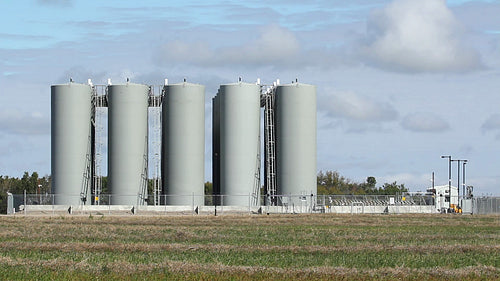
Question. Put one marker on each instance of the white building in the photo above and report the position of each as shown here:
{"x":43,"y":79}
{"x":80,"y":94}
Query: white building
{"x":442,"y":196}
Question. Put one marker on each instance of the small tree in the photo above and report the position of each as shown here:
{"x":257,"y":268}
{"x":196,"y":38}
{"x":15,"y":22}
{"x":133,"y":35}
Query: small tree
{"x":369,"y":186}
{"x":392,"y":188}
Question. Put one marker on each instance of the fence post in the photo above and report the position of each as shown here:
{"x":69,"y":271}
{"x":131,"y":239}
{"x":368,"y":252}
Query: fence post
{"x":25,"y":205}
{"x":164,"y":202}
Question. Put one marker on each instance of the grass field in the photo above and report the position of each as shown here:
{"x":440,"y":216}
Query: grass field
{"x":251,"y":247}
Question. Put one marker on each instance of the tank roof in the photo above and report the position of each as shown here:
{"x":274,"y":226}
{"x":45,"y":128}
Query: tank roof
{"x":185,"y":84}
{"x":296,"y":84}
{"x":129,"y":84}
{"x":71,"y":84}
{"x":240,"y":84}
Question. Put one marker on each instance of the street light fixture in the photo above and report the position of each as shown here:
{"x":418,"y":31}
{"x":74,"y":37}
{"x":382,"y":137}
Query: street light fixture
{"x":449,"y":177}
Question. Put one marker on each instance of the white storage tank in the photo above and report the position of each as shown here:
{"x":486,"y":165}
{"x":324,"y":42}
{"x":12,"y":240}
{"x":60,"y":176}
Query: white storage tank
{"x":183,"y":148}
{"x":295,"y":121}
{"x":71,"y":107}
{"x":127,"y":142}
{"x":239,"y":140}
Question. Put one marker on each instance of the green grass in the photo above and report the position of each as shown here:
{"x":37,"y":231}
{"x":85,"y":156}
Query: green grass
{"x":292,"y":247}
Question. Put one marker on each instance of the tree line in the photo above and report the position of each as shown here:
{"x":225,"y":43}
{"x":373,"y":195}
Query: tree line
{"x":331,"y":182}
{"x":32,"y":183}
{"x":328,"y":182}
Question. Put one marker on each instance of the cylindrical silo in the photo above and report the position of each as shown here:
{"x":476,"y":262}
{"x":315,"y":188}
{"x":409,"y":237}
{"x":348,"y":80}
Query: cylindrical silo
{"x":295,"y":121}
{"x":239,"y":115}
{"x":71,"y":107}
{"x":183,"y":149}
{"x":127,"y":143}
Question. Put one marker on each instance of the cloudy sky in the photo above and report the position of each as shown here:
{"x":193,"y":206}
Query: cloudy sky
{"x":400,"y":82}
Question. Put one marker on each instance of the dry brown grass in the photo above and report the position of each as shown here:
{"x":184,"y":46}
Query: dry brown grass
{"x":208,"y":247}
{"x":127,"y":270}
{"x":221,"y":248}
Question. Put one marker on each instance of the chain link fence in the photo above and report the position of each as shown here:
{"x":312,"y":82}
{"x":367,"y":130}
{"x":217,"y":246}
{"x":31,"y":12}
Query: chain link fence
{"x":486,"y":205}
{"x":404,"y":203}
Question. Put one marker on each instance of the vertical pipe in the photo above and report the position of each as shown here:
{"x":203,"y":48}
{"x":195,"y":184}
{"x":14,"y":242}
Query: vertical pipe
{"x":216,"y":150}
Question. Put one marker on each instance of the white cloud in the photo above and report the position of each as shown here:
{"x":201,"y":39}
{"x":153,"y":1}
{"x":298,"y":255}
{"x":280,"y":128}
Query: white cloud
{"x":418,"y":36}
{"x":356,"y":107}
{"x":355,"y":113}
{"x":80,"y":74}
{"x":424,"y":122}
{"x":188,"y":52}
{"x":492,"y":124}
{"x":274,"y":45}
{"x":60,"y":3}
{"x":23,"y":123}
{"x":485,"y":185}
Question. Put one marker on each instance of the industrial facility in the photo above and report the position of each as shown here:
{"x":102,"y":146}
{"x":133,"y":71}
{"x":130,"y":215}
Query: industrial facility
{"x":153,"y":137}
{"x":178,"y":112}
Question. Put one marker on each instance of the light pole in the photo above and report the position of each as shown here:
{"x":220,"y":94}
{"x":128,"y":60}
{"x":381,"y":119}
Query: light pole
{"x":458,"y":177}
{"x":463,"y":185}
{"x":40,"y":192}
{"x":449,"y":177}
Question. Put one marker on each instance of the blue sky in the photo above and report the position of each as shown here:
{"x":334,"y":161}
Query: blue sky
{"x":400,"y":82}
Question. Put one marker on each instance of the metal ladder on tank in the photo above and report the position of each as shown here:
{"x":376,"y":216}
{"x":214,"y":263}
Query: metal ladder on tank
{"x":86,"y":174}
{"x":270,"y":146}
{"x":256,"y":188}
{"x":88,"y":157}
{"x":142,"y":197}
{"x":143,"y":193}
{"x":100,"y":103}
{"x":155,"y":136}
